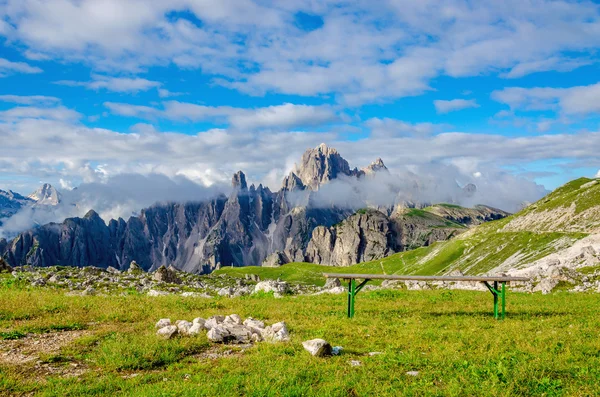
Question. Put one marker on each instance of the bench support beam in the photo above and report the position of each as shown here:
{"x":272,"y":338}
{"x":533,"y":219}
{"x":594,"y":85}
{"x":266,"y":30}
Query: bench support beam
{"x":498,"y":293}
{"x":353,"y":289}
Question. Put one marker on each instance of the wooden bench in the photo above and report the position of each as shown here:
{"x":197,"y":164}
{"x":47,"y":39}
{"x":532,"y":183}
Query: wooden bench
{"x":353,"y":289}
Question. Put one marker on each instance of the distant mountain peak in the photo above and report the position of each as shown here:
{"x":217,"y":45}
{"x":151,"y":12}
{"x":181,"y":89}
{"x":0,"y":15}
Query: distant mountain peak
{"x":239,"y":181}
{"x":375,"y":166}
{"x":46,"y":195}
{"x":321,"y":165}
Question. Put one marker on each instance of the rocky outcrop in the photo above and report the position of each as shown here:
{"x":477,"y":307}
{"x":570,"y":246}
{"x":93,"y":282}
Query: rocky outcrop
{"x":467,"y":216}
{"x":46,"y":195}
{"x":11,"y":203}
{"x":369,"y":234}
{"x":321,"y":165}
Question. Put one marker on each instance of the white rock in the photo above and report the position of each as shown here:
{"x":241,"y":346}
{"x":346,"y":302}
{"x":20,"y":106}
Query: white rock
{"x":276,"y":333}
{"x":355,"y":363}
{"x":217,"y":334}
{"x":239,"y":334}
{"x":279,"y":287}
{"x":227,"y":291}
{"x":153,"y":292}
{"x":412,"y":373}
{"x":195,"y":329}
{"x":167,"y":332}
{"x":213,"y":322}
{"x":546,"y":285}
{"x":163,"y":322}
{"x":183,"y":327}
{"x":199,"y":320}
{"x":250,"y":322}
{"x":317,"y":347}
{"x":233,"y":319}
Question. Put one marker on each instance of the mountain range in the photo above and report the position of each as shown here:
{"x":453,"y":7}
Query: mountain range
{"x":302,"y":221}
{"x":11,"y":202}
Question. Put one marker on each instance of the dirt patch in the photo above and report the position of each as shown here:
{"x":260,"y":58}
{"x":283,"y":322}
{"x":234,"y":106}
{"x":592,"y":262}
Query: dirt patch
{"x":28,"y":354}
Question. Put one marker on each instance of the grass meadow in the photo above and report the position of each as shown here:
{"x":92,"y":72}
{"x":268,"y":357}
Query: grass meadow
{"x":549,"y":345}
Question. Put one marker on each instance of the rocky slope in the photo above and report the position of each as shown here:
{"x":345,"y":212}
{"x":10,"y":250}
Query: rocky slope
{"x":251,"y":226}
{"x":11,"y":203}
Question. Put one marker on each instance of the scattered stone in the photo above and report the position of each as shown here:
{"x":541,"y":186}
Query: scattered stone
{"x":213,"y":322}
{"x":276,"y":333}
{"x":412,"y":373}
{"x":134,"y":268}
{"x":336,"y":350}
{"x":317,"y":347}
{"x":332,"y":283}
{"x":89,"y":291}
{"x":233,"y":319}
{"x":250,"y":322}
{"x":355,"y":363}
{"x":153,"y":292}
{"x":199,"y":320}
{"x":113,"y":270}
{"x":163,"y":322}
{"x":183,"y":326}
{"x":374,"y":353}
{"x":278,"y":287}
{"x":164,"y":275}
{"x":217,"y":334}
{"x":167,"y":332}
{"x":196,"y":328}
{"x":227,"y":291}
{"x":546,"y":285}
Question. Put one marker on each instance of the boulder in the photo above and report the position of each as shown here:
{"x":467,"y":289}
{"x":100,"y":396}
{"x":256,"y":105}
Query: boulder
{"x":164,"y":275}
{"x":250,"y":322}
{"x":276,"y":259}
{"x":134,"y":268}
{"x":167,"y":332}
{"x":183,"y":327}
{"x":233,"y":319}
{"x":332,"y":283}
{"x":196,"y":328}
{"x":218,"y":334}
{"x":163,"y":322}
{"x":113,"y":270}
{"x":546,"y":285}
{"x":238,"y":334}
{"x":213,"y":322}
{"x":199,"y":320}
{"x":317,"y":347}
{"x":278,"y":287}
{"x":276,"y":333}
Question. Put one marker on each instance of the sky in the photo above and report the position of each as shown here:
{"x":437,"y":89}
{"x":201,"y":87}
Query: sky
{"x":498,"y":90}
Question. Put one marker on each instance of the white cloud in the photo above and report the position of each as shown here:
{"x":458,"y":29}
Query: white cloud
{"x":59,"y":113}
{"x":114,"y":84}
{"x":453,"y":105}
{"x":286,"y":115}
{"x":570,"y":101}
{"x":30,"y":100}
{"x":364,"y":52}
{"x":9,"y":67}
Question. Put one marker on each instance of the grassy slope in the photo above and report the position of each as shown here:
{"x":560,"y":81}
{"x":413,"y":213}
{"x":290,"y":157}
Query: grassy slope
{"x":475,"y":252}
{"x":548,"y":345}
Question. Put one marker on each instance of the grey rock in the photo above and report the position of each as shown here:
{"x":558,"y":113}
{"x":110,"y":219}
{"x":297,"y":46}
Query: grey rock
{"x":167,"y":332}
{"x":163,"y":322}
{"x":217,"y":334}
{"x":113,"y":270}
{"x":317,"y":347}
{"x":134,"y":268}
{"x":276,"y":333}
{"x":280,"y":287}
{"x":233,"y":319}
{"x":276,"y":259}
{"x":332,"y":283}
{"x":196,"y":328}
{"x":412,"y":373}
{"x":546,"y":285}
{"x":183,"y":327}
{"x":4,"y":266}
{"x":213,"y":321}
{"x":153,"y":292}
{"x":162,"y":274}
{"x":250,"y":322}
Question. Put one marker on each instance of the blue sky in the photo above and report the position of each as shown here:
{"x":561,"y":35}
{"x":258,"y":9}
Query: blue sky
{"x":91,"y":89}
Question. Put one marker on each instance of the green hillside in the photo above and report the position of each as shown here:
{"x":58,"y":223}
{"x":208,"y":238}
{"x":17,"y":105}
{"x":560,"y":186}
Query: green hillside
{"x":551,"y":224}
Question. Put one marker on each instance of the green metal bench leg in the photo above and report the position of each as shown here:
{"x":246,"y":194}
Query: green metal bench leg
{"x":351,"y":294}
{"x":503,"y":300}
{"x":495,"y":300}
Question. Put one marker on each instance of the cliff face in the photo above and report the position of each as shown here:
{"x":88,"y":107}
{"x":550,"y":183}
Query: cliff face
{"x":243,"y":229}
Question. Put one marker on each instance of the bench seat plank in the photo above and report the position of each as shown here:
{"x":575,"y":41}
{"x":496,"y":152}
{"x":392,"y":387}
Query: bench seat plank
{"x":348,"y":276}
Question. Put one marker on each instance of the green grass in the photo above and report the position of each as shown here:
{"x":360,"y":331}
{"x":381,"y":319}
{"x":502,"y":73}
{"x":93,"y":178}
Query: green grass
{"x":548,"y":345}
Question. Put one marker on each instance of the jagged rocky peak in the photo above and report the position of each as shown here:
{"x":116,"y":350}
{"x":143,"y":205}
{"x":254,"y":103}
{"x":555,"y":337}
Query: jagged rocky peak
{"x":46,"y":195}
{"x":292,"y":182}
{"x":375,"y":166}
{"x":239,"y":181}
{"x":320,"y":165}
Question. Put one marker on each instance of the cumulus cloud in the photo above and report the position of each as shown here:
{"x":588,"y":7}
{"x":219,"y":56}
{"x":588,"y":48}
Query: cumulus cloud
{"x":361,"y":53}
{"x":453,"y":105}
{"x":9,"y":67}
{"x":287,"y":115}
{"x":114,"y":84}
{"x":30,"y":100}
{"x":579,"y":100}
